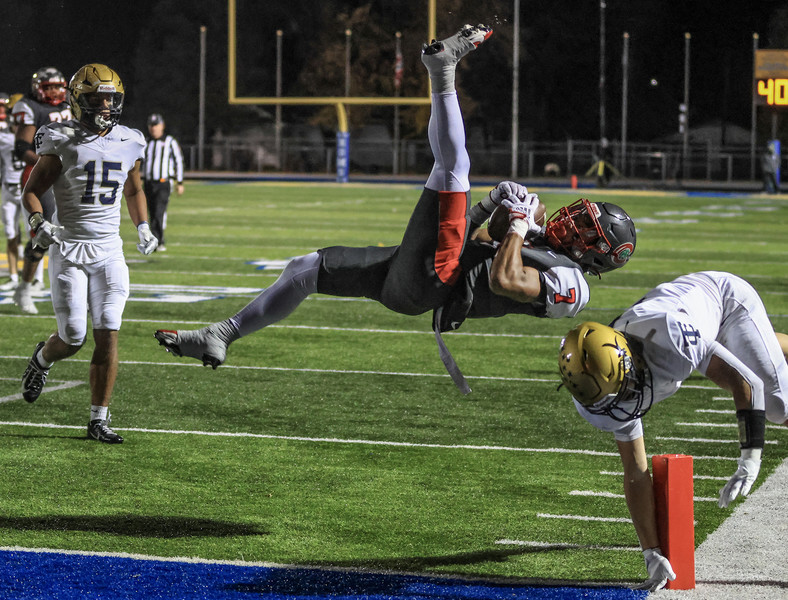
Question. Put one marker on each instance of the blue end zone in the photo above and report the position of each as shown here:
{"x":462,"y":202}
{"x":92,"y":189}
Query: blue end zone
{"x":57,"y":576}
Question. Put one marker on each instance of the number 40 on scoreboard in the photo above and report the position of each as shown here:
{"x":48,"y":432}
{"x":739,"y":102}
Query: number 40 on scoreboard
{"x":771,"y":78}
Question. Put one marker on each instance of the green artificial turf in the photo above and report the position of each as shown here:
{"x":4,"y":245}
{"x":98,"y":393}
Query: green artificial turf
{"x":448,"y":476}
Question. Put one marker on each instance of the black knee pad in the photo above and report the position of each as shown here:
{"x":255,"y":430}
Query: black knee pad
{"x":33,"y":254}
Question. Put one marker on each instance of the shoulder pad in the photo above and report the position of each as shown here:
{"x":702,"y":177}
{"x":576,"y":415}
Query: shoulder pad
{"x":50,"y":136}
{"x":544,"y":257}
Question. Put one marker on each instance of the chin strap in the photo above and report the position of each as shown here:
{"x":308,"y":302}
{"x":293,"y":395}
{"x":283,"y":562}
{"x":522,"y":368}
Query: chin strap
{"x":448,"y":360}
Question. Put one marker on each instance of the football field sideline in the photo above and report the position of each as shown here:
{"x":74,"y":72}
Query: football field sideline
{"x":723,"y":571}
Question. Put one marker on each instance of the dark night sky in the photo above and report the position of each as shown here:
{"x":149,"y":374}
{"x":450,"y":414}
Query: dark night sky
{"x":69,"y":33}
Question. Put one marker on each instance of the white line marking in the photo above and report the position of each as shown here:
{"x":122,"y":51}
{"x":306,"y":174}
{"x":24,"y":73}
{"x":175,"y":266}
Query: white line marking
{"x":307,"y":370}
{"x":621,"y":474}
{"x":48,"y":389}
{"x":725,"y":425}
{"x":715,"y":412}
{"x":367,"y":330}
{"x":562,"y":546}
{"x":345,"y":441}
{"x":237,"y":563}
{"x":698,"y":387}
{"x":705,"y":440}
{"x":593,"y":494}
{"x":328,"y":440}
{"x":584,"y":518}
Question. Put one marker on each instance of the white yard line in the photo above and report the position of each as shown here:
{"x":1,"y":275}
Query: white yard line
{"x":584,"y":518}
{"x":242,"y":434}
{"x":47,"y":389}
{"x":322,"y":440}
{"x":730,"y":425}
{"x":197,"y":324}
{"x":563,"y":546}
{"x":594,"y":494}
{"x":307,"y":370}
{"x":696,"y":476}
{"x":705,"y":440}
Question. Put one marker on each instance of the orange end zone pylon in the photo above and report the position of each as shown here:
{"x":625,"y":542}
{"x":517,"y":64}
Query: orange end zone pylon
{"x":673,"y":495}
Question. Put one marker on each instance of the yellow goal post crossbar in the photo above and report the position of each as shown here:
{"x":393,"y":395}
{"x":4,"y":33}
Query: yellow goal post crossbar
{"x":338,"y":101}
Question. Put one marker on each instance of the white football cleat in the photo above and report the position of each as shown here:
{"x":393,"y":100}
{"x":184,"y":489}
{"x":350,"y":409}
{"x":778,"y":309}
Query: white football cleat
{"x":9,"y":286}
{"x":24,"y":300}
{"x":453,"y":48}
{"x":203,"y":344}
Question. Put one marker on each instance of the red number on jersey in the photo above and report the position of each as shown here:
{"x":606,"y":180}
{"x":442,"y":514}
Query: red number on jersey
{"x":570,"y":299}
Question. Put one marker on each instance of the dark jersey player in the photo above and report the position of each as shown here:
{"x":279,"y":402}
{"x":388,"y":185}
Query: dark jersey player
{"x":438,"y":267}
{"x":46,"y":103}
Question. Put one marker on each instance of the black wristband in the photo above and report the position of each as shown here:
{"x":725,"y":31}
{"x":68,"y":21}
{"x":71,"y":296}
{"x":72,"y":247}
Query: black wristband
{"x":20,"y":147}
{"x":752,"y":428}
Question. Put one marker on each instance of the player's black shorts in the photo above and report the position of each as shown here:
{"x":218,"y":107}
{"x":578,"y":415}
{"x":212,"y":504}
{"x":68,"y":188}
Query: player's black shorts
{"x":415,"y":276}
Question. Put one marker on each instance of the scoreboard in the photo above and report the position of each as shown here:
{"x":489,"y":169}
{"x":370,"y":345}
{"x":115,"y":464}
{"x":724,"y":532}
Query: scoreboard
{"x":770,"y":86}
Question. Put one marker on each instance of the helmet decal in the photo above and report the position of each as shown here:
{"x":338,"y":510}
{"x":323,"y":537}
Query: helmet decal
{"x":621,"y":255}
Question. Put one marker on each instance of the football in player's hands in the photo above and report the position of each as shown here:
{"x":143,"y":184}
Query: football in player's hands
{"x":499,"y":221}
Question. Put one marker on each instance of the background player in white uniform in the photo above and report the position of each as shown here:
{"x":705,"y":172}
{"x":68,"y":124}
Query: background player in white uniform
{"x":46,"y":103}
{"x":711,"y":321}
{"x":11,"y":198}
{"x":439,"y":265}
{"x":89,"y":161}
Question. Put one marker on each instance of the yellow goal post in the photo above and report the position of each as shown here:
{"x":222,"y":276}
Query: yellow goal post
{"x":339,"y":102}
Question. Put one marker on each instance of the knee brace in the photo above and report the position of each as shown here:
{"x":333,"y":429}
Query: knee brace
{"x":33,"y":254}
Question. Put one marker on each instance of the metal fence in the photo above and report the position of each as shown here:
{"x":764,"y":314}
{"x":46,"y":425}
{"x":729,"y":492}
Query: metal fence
{"x":655,"y":161}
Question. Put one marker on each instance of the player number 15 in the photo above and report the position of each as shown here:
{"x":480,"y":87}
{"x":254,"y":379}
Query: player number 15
{"x":106,"y":182}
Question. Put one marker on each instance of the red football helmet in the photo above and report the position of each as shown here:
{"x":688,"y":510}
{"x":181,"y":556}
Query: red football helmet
{"x":599,"y":236}
{"x":49,"y":86}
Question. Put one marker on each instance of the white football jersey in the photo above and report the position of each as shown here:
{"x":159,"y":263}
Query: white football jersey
{"x":90,"y":186}
{"x":567,"y":292}
{"x":10,"y":168}
{"x":679,"y":321}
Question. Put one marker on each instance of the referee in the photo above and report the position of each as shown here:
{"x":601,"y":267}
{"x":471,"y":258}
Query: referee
{"x":163,"y":162}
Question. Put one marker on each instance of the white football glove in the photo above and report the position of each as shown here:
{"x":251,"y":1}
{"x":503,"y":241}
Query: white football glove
{"x":46,"y":235}
{"x":148,"y":242}
{"x":521,"y":215}
{"x":502,"y":191}
{"x":659,"y":570}
{"x":743,"y":478}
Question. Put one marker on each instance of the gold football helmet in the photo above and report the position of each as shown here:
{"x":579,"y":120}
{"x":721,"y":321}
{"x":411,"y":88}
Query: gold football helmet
{"x":95,"y":95}
{"x":599,"y":368}
{"x":14,"y":99}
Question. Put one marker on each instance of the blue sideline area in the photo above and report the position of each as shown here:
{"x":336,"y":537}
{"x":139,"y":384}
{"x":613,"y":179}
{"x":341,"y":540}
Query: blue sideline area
{"x":57,"y":576}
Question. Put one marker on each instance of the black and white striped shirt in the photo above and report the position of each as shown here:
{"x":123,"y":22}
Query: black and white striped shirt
{"x":163,"y":160}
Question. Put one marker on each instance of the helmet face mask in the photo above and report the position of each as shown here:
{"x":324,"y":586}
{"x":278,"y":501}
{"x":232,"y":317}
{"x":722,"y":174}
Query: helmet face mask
{"x":599,"y":236}
{"x":633,"y":400}
{"x":96,"y":95}
{"x":600,"y":369}
{"x":49,"y":86}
